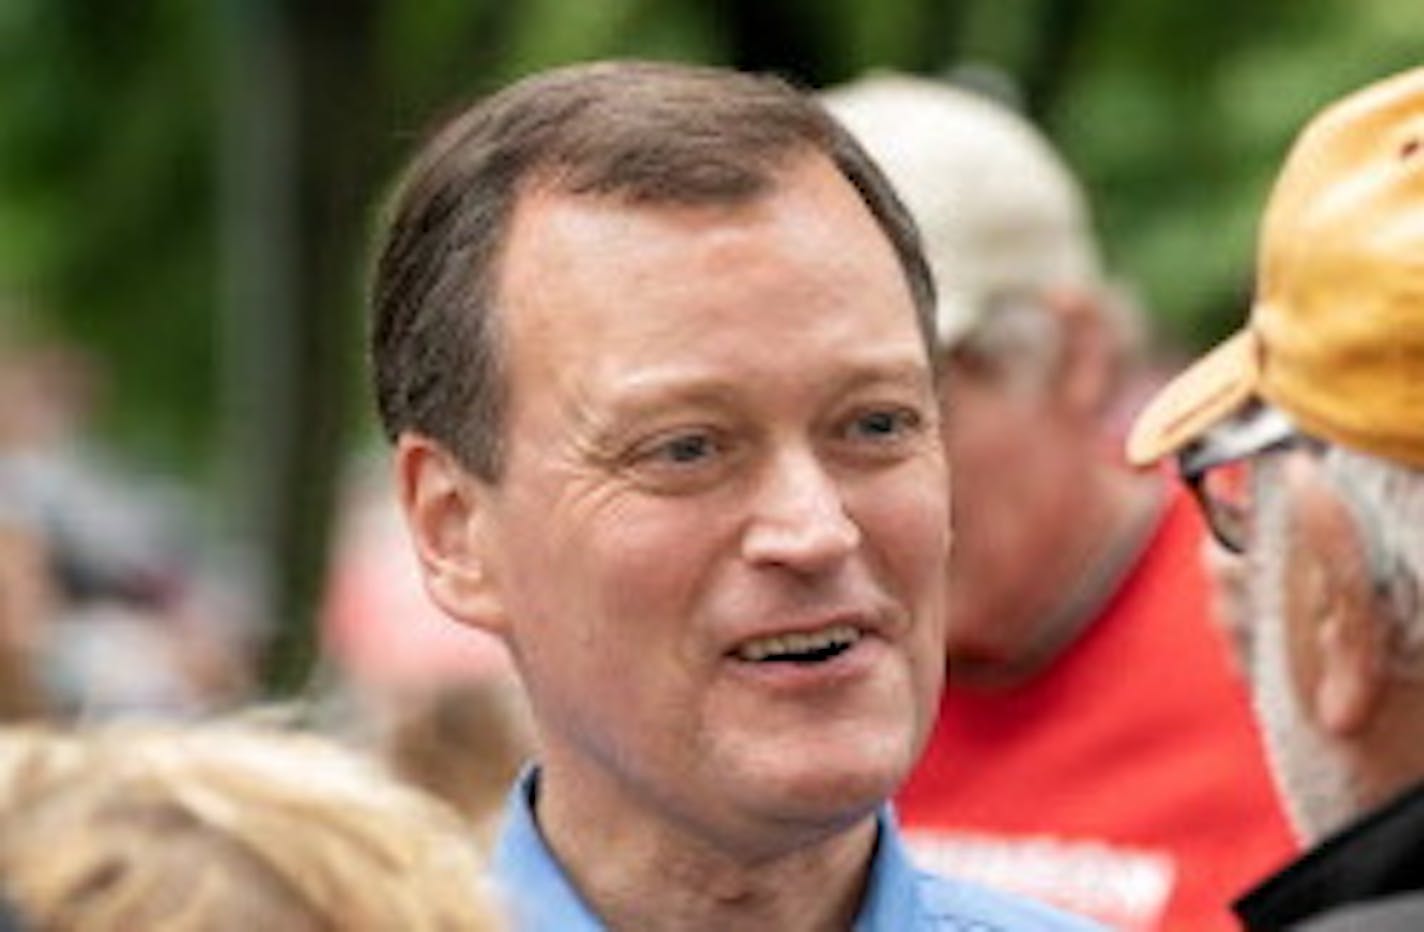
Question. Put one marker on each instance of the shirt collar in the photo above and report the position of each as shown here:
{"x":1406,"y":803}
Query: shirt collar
{"x":537,"y":893}
{"x":1376,"y":856}
{"x":891,"y":899}
{"x":540,"y":896}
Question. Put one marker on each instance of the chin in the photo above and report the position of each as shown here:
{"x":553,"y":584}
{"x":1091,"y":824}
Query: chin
{"x":846,"y":780}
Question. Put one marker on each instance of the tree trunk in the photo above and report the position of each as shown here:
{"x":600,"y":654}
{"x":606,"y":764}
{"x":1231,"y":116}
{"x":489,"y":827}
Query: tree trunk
{"x":297,"y":170}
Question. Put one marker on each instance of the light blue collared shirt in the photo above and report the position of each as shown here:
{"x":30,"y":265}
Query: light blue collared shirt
{"x":899,"y":897}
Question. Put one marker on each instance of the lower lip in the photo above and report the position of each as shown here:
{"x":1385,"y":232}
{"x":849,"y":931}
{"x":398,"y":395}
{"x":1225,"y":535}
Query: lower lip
{"x":853,"y":663}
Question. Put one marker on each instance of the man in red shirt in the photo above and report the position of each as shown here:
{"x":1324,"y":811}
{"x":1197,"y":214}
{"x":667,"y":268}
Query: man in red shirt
{"x":1095,"y":747}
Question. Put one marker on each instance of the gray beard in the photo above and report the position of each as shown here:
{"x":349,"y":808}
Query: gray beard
{"x":1311,"y":773}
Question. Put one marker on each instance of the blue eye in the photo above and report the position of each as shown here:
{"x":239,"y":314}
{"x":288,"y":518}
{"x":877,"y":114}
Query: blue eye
{"x":884,"y":424}
{"x":681,"y":461}
{"x":686,"y":449}
{"x":680,"y":449}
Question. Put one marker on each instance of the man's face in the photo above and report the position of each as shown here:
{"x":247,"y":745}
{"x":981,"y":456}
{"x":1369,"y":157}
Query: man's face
{"x":1015,"y":456}
{"x":720,"y":538}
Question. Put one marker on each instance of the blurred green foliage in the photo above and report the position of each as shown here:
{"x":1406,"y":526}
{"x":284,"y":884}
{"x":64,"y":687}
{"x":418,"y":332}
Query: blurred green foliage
{"x":107,"y":201}
{"x":1179,"y":116}
{"x":111,"y":120}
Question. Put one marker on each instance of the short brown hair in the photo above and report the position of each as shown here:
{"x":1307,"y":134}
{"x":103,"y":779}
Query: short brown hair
{"x":641,"y":132}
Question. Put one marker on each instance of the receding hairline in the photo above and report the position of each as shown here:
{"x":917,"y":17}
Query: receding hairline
{"x":643,"y":133}
{"x":548,"y":194}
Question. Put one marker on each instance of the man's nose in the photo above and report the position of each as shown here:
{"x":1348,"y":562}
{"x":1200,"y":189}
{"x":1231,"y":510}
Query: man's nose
{"x":798,"y":517}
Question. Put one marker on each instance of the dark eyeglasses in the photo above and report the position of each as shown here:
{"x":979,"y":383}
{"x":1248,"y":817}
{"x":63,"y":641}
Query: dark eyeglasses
{"x":1217,"y":469}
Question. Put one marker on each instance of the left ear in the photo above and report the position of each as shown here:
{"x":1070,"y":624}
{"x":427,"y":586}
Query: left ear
{"x":1086,"y":374}
{"x":1338,"y":608}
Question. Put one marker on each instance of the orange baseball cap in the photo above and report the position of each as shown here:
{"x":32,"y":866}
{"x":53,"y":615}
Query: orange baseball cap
{"x":1335,"y":337}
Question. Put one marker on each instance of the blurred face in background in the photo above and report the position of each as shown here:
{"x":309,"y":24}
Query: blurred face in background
{"x":718,"y":547}
{"x":1021,"y":451}
{"x":1006,"y":499}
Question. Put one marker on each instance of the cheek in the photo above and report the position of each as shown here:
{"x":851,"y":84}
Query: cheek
{"x":986,"y":450}
{"x":616,"y":590}
{"x":651,"y":557}
{"x":988,"y":492}
{"x":971,"y":444}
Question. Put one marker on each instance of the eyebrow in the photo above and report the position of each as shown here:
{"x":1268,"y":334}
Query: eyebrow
{"x":646,"y":395}
{"x":915,"y":373}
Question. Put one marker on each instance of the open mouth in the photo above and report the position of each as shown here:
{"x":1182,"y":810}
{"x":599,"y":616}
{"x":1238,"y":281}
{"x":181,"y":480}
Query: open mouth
{"x":809,"y":647}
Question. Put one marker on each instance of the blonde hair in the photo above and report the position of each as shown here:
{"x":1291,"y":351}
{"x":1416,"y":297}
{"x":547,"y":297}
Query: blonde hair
{"x":31,"y":758}
{"x":225,"y":827}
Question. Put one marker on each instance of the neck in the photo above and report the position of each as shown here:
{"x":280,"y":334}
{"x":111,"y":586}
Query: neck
{"x":638,"y":869}
{"x":1110,"y":520}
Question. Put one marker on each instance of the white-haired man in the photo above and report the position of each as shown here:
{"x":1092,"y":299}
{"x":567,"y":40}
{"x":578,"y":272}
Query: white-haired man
{"x":1303,"y":437}
{"x":1128,"y":778}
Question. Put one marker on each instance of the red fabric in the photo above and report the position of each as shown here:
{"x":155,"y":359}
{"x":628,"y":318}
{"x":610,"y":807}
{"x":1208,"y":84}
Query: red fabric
{"x":1136,"y":749}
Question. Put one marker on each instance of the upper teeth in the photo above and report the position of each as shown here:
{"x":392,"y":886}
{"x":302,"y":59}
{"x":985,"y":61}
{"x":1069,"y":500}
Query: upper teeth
{"x":762,"y":648}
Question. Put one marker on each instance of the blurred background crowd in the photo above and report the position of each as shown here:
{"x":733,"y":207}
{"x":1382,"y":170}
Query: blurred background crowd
{"x":195,"y":515}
